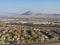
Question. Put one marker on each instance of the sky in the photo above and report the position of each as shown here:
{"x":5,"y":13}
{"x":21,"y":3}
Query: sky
{"x":20,"y":6}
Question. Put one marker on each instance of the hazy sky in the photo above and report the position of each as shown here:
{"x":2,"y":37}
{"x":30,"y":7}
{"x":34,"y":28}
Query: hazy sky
{"x":19,"y":6}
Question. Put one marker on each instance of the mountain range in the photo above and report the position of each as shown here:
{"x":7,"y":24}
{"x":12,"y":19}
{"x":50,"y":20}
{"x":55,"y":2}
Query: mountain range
{"x":32,"y":14}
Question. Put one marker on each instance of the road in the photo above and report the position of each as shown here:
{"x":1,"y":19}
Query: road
{"x":38,"y":44}
{"x":50,"y":43}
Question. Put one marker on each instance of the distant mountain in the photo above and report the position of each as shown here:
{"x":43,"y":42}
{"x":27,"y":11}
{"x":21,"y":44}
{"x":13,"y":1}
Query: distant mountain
{"x":32,"y":14}
{"x":56,"y":14}
{"x":27,"y":13}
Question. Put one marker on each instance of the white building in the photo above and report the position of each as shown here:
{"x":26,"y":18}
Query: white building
{"x":42,"y":22}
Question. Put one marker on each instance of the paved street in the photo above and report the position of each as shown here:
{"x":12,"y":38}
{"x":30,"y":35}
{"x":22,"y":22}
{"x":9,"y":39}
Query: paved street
{"x":38,"y":44}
